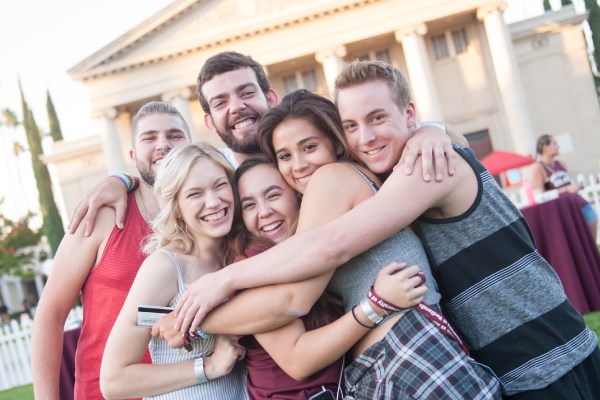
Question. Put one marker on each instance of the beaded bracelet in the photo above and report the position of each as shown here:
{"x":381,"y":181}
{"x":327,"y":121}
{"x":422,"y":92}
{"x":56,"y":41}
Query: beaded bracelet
{"x":130,"y":182}
{"x":123,"y":178}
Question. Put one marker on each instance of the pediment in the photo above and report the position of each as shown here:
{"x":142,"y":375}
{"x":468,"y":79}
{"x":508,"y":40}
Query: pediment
{"x":187,"y":26}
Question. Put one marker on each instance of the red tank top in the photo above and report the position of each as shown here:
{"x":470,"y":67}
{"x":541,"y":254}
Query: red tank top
{"x":103,"y":295}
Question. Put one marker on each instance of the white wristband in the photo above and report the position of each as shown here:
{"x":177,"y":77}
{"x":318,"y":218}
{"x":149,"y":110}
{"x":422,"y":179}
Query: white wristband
{"x":436,"y":124}
{"x":199,"y":370}
{"x":367,"y":308}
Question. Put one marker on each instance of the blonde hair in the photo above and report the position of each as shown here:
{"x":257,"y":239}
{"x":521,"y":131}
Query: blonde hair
{"x":358,"y":72}
{"x":168,"y":226}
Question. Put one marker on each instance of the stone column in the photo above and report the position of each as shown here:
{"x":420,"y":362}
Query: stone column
{"x":181,"y":100}
{"x":419,"y":71}
{"x":111,"y":144}
{"x":332,"y":61}
{"x":508,"y":78}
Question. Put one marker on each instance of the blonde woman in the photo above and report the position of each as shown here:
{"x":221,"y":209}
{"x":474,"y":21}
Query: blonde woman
{"x":197,"y":207}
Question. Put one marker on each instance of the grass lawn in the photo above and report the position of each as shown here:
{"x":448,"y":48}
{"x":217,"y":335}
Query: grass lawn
{"x":18,"y":393}
{"x":26,"y":392}
{"x":593,"y":321}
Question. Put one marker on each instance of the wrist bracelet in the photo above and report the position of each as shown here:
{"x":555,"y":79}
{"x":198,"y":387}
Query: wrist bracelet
{"x":385,"y":305}
{"x":367,"y":308}
{"x":199,"y":370}
{"x":360,"y":323}
{"x":435,"y":124}
{"x":123,"y":178}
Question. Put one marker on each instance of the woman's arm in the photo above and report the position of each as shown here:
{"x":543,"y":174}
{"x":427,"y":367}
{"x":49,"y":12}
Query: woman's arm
{"x":538,"y":177}
{"x":72,"y":263}
{"x":318,"y":250}
{"x":301,"y":354}
{"x":122,"y":375}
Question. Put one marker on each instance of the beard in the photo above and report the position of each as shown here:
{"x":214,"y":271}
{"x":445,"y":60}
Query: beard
{"x":147,"y":175}
{"x":246,"y":145}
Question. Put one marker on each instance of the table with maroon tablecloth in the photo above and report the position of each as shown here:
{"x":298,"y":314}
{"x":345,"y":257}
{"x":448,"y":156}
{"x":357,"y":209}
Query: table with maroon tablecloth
{"x":67,"y":366}
{"x":563,"y":238}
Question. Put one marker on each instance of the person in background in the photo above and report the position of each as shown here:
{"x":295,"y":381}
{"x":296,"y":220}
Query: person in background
{"x":550,"y":174}
{"x":4,"y":315}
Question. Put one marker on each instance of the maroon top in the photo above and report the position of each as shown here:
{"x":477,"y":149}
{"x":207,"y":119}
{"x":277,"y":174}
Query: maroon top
{"x":557,"y":176}
{"x":266,"y":380}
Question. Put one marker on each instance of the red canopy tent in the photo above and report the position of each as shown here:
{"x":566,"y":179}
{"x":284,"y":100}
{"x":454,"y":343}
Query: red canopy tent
{"x":499,"y":161}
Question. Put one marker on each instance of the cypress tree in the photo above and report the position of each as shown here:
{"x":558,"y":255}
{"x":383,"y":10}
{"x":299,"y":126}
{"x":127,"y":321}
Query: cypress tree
{"x":547,"y":6}
{"x":55,"y":131}
{"x":52,"y":224}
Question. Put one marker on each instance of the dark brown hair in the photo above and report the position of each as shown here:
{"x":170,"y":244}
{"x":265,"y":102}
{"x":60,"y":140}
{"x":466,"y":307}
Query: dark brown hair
{"x":319,"y":111}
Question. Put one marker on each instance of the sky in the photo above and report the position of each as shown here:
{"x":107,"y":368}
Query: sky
{"x":42,"y":39}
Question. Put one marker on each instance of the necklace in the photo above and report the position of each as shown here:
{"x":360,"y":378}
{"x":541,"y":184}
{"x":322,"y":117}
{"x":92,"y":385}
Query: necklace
{"x":143,"y":209}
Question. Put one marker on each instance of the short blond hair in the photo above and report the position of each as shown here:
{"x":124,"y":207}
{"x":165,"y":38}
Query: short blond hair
{"x":358,"y":72}
{"x":168,"y":226}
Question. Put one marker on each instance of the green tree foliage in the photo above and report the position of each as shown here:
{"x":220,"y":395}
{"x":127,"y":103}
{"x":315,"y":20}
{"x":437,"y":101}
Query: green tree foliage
{"x":55,"y":131}
{"x":16,"y":240}
{"x":52,"y":226}
{"x":9,"y":118}
{"x":547,"y":6}
{"x":565,"y":2}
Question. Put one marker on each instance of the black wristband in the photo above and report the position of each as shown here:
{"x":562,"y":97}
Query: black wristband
{"x":360,"y":323}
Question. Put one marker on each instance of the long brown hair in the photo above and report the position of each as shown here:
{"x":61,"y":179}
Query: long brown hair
{"x":319,"y":111}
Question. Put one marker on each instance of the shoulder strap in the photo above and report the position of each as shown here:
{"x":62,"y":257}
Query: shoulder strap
{"x":173,"y":257}
{"x":373,"y":185}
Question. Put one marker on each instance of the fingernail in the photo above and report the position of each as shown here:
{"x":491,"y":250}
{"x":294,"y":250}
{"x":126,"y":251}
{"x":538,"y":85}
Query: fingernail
{"x":427,"y":178}
{"x":407,"y":170}
{"x":451,"y":171}
{"x":120,"y":225}
{"x":439,"y":177}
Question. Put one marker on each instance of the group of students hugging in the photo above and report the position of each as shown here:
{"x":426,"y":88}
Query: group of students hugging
{"x":322,"y":267}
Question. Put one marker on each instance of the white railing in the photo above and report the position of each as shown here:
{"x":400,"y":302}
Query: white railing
{"x":590,"y":192}
{"x":15,"y":350}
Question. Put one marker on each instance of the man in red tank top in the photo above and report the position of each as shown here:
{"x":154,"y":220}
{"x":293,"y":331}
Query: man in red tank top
{"x":102,"y":265}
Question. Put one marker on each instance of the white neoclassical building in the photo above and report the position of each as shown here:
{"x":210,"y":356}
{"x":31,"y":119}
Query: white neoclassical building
{"x":500,"y":85}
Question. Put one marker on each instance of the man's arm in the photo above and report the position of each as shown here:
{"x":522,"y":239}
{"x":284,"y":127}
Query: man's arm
{"x":110,"y":192}
{"x":73,"y":261}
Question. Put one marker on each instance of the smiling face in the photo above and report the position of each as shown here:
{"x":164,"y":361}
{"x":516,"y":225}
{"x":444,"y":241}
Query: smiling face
{"x":374,"y":126}
{"x":205,"y":200}
{"x":300,"y":149}
{"x":236,"y":106}
{"x":269,"y":206}
{"x":155,"y":136}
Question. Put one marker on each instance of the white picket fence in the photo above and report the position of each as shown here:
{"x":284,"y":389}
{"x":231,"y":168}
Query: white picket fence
{"x":590,"y":192}
{"x":15,"y":349}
